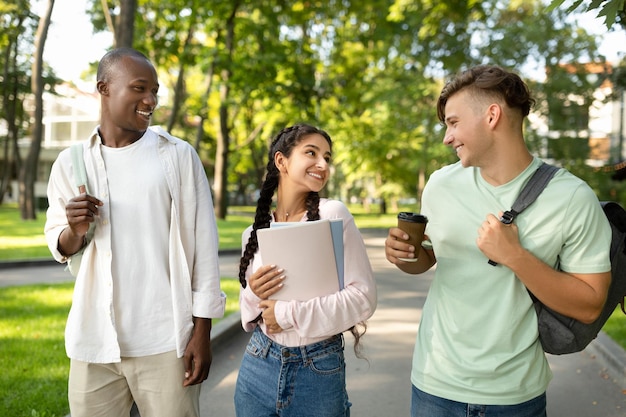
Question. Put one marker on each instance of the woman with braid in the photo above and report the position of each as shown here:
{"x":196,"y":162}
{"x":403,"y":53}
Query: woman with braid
{"x":294,"y":363}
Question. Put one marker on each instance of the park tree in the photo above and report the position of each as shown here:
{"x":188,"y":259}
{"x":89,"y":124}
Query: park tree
{"x":368,"y":72}
{"x":28,"y":171}
{"x":118,"y":16}
{"x":18,"y":27}
{"x":386,"y":70}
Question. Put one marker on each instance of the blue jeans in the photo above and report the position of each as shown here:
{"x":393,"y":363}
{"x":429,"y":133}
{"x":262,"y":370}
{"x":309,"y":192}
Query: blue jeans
{"x":426,"y":405}
{"x":279,"y":381}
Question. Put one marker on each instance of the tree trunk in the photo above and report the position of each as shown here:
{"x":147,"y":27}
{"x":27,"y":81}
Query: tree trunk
{"x":107,"y":17}
{"x":223,"y":140}
{"x":179,"y":90}
{"x":221,"y":159}
{"x":28,"y":173}
{"x":204,"y":113}
{"x":10,"y":100}
{"x":125,"y":28}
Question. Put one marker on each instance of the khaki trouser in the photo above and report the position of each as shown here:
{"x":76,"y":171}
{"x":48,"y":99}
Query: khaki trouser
{"x":154,"y":382}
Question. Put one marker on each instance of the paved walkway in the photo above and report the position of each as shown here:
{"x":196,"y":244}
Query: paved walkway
{"x":591,"y":383}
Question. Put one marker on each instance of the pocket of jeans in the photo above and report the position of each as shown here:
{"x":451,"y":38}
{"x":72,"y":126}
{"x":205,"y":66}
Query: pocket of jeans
{"x":256,"y":348}
{"x":330,"y":363}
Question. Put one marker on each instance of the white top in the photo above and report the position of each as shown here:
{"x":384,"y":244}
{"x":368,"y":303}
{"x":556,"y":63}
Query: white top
{"x":142,"y":298}
{"x":91,"y":333}
{"x":306,"y":322}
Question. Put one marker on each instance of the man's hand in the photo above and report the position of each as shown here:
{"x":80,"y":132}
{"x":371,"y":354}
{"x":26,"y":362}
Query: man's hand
{"x":198,"y":355}
{"x":498,"y":241}
{"x":396,"y":246}
{"x":80,"y":212}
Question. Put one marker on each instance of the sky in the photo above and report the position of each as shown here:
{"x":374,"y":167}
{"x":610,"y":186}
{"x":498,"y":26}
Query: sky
{"x":71,"y":44}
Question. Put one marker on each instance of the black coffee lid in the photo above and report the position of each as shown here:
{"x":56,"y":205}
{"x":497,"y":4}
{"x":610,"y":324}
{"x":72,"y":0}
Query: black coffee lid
{"x":412,"y":217}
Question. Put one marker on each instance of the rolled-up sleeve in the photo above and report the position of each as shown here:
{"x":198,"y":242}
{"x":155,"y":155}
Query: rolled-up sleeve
{"x":60,"y":190}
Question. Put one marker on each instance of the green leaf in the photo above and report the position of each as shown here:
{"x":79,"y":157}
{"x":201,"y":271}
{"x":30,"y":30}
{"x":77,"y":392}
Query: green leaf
{"x":610,"y":10}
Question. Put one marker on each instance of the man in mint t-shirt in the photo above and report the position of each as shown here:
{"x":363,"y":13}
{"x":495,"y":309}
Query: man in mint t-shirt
{"x":477,"y":349}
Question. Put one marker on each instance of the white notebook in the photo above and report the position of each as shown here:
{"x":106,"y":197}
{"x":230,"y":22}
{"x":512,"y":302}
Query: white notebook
{"x":306,"y":251}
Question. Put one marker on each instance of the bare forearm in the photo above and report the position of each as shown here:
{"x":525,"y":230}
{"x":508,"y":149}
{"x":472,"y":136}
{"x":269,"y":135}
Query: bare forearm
{"x":580,"y":296}
{"x":202,"y":327}
{"x":425,"y":261}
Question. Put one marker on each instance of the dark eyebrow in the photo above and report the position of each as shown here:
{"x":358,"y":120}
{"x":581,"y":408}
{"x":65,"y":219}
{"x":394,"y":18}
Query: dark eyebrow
{"x":317,"y":148}
{"x":144,"y":81}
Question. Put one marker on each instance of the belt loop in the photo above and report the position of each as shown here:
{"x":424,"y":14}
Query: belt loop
{"x":304,"y":354}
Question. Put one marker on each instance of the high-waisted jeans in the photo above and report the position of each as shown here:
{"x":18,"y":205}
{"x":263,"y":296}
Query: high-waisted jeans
{"x":280,"y":381}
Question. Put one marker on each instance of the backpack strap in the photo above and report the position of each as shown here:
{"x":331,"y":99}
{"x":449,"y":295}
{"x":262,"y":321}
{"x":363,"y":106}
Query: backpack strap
{"x":80,"y":172}
{"x":80,"y":178}
{"x":529,"y":194}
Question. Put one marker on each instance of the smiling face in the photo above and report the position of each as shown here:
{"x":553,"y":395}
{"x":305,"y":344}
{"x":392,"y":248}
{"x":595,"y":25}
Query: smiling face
{"x":467,"y":129}
{"x":307,"y":167}
{"x":129,"y":96}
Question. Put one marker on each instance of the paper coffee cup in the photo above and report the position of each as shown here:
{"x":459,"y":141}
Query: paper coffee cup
{"x":413,"y":224}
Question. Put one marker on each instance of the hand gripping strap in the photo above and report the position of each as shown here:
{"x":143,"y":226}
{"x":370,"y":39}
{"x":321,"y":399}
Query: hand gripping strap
{"x":529,"y":194}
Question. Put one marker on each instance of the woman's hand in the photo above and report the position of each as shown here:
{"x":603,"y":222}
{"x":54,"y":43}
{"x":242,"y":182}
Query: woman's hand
{"x":269,"y":318}
{"x":266,"y":281}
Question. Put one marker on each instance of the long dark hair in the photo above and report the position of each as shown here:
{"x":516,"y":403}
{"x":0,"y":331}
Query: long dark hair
{"x":284,"y":142}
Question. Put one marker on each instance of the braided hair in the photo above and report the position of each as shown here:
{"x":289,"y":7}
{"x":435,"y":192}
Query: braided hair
{"x":284,"y":142}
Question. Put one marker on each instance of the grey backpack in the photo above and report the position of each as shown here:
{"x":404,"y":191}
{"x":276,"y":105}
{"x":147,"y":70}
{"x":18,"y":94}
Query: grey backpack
{"x":560,"y":334}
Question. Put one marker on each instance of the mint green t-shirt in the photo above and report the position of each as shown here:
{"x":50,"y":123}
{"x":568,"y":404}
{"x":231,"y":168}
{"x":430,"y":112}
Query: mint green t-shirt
{"x":478,"y":339}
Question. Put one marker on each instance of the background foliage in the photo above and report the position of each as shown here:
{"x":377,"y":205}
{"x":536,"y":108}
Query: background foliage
{"x":236,"y":71}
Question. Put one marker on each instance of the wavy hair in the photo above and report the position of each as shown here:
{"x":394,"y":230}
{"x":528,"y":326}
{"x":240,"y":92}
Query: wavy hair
{"x":491,"y":81}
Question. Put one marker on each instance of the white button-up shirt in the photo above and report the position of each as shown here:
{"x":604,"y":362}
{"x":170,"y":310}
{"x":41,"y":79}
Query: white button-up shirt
{"x":90,"y":333}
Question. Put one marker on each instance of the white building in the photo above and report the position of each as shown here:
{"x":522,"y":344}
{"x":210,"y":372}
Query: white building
{"x":69,"y":116}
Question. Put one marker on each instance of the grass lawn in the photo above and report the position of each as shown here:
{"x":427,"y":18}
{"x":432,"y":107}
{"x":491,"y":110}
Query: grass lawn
{"x":32,"y":353}
{"x":21,"y":239}
{"x":616,"y":327}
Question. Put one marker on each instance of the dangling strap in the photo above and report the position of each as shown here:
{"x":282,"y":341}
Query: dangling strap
{"x":80,"y":172}
{"x":80,"y":179}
